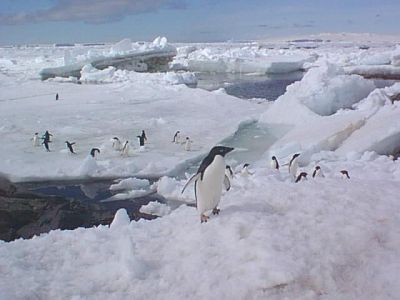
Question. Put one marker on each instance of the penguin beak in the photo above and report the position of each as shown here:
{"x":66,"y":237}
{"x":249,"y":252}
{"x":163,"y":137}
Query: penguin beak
{"x":228,"y":149}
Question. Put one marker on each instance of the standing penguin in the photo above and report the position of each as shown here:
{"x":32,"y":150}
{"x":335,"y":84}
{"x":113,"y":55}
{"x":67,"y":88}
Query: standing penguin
{"x":317,"y":172}
{"x":116,"y":143}
{"x":302,"y":176}
{"x":245,"y":170}
{"x":93,"y":152}
{"x":345,"y":174}
{"x":47,"y":136}
{"x":141,"y":141}
{"x":35,"y":140}
{"x":293,"y":165}
{"x":125,"y":149}
{"x":56,"y":96}
{"x":46,"y":144}
{"x":143,"y":135}
{"x":177,"y":137}
{"x":188,"y":144}
{"x":274,"y":163}
{"x":208,"y":181}
{"x":69,"y":146}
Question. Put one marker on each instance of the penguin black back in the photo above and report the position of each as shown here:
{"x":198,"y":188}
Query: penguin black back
{"x":301,"y":176}
{"x":315,"y":171}
{"x":93,"y":151}
{"x":217,"y":150}
{"x":293,"y":158}
{"x":228,"y":167}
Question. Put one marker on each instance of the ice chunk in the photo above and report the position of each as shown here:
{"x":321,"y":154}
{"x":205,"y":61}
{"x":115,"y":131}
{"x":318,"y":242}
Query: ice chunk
{"x":130,"y":184}
{"x":121,"y":47}
{"x":156,"y":208}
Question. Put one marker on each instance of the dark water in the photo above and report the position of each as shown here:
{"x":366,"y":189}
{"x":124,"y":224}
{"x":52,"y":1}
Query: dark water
{"x":91,"y":191}
{"x":247,"y":86}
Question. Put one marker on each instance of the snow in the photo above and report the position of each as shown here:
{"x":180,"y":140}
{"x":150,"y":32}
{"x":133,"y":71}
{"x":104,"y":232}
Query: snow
{"x":323,"y":238}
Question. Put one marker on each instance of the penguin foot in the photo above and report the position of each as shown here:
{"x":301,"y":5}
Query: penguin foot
{"x":203,"y":218}
{"x":216,"y":211}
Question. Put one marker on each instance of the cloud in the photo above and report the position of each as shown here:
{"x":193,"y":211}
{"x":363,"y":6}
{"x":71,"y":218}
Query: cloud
{"x":90,"y":11}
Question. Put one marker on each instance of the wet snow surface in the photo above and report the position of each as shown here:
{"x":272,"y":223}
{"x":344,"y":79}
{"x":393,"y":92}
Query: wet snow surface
{"x":322,"y":238}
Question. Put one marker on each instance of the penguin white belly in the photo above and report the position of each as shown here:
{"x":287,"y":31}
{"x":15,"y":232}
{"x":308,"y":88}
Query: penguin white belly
{"x":209,"y":190}
{"x":293,"y":168}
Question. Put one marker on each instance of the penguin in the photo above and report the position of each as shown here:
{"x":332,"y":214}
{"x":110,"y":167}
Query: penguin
{"x":69,"y":146}
{"x":143,"y":135}
{"x":274,"y":163}
{"x":293,"y":165}
{"x":188,"y":144}
{"x":245,"y":170}
{"x":47,"y":136}
{"x":116,"y":143}
{"x":35,"y":140}
{"x":208,"y":181}
{"x":302,"y":176}
{"x":317,"y":172}
{"x":229,"y":172}
{"x":141,"y":140}
{"x":176,"y":137}
{"x":125,"y":149}
{"x":46,"y":144}
{"x":93,"y":152}
{"x":56,"y":96}
{"x":345,"y":174}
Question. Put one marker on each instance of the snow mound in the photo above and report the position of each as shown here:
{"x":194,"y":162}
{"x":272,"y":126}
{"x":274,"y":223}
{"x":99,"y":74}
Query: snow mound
{"x":121,"y":219}
{"x":169,"y":187}
{"x":89,"y":167}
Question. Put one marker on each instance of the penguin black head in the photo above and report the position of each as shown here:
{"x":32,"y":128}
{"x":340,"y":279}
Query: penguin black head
{"x":317,"y":168}
{"x":36,"y":133}
{"x":273,"y":158}
{"x":246,"y":165}
{"x":115,"y":138}
{"x":220,"y":150}
{"x":296,"y":155}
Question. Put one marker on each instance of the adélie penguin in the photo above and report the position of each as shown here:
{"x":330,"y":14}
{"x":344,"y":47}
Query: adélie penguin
{"x":208,"y":181}
{"x":69,"y":146}
{"x":93,"y":152}
{"x":293,"y":165}
{"x":274,"y":163}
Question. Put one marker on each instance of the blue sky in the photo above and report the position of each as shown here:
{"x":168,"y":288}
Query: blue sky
{"x":55,"y":21}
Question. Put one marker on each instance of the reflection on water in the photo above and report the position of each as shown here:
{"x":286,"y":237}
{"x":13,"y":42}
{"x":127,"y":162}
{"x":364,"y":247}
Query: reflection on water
{"x":248,"y":86}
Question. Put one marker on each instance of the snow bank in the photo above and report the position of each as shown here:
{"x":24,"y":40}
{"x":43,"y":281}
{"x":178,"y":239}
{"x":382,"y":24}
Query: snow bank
{"x":272,"y":240}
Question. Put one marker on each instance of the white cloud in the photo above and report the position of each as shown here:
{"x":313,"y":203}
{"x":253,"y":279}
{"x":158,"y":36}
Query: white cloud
{"x":90,"y":11}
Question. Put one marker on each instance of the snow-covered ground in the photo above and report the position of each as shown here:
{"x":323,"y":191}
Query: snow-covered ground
{"x":324,"y":238}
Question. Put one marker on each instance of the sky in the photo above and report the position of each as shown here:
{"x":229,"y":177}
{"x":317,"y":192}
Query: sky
{"x":69,"y":21}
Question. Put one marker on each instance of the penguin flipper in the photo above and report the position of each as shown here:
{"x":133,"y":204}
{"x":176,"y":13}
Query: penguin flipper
{"x":227,"y":183}
{"x":192,"y":179}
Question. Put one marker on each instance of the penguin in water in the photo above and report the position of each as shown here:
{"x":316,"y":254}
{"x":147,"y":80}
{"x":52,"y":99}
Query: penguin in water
{"x":293,"y":165}
{"x":317,"y":172}
{"x":274,"y":163}
{"x":69,"y":146}
{"x":116,"y":143}
{"x":208,"y":181}
{"x":35,"y":140}
{"x":345,"y":174}
{"x":188,"y":144}
{"x":93,"y":152}
{"x":125,"y":149}
{"x":302,"y":176}
{"x":229,"y":172}
{"x":177,"y":137}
